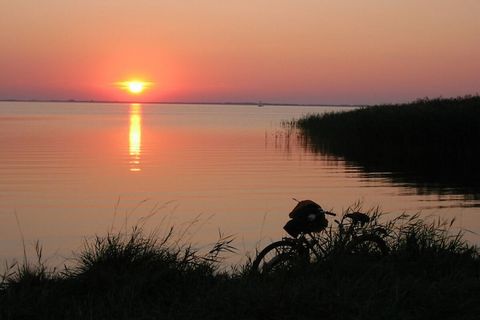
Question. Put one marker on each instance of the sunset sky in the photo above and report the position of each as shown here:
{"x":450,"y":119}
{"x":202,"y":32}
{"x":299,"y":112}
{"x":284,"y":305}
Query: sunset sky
{"x":305,"y":51}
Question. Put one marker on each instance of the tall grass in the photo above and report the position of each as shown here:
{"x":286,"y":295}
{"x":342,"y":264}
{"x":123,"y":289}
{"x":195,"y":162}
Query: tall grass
{"x":431,"y":272}
{"x":431,"y":141}
{"x":120,"y":275}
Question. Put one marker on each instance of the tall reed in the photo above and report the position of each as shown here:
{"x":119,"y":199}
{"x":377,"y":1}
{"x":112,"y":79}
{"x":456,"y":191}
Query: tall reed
{"x":429,"y":141}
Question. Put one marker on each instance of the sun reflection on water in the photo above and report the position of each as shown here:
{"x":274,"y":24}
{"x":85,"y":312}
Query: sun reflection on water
{"x":135,"y":136}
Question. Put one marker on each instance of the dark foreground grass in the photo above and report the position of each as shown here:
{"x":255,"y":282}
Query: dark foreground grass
{"x":431,"y":141}
{"x":430,"y":274}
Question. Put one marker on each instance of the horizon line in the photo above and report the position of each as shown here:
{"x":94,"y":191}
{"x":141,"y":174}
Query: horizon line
{"x":183,"y":102}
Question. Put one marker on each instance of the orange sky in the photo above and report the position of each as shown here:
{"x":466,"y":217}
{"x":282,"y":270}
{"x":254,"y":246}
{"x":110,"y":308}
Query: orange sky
{"x":304,"y":51}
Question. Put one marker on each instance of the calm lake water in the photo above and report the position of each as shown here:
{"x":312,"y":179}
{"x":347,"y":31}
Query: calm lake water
{"x":69,"y":171}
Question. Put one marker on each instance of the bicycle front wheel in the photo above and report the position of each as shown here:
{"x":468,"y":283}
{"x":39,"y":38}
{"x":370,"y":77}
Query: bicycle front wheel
{"x":279,"y":255}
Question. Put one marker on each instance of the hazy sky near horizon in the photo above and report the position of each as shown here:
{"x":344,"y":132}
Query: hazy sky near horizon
{"x":304,"y":51}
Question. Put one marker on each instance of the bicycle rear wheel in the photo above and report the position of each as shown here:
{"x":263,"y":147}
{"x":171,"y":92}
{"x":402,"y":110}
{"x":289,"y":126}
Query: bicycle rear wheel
{"x":368,"y":244}
{"x":279,"y":255}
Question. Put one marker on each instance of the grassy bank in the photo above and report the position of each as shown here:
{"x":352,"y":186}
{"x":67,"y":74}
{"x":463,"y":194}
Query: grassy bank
{"x":432,"y":142}
{"x":429,"y":274}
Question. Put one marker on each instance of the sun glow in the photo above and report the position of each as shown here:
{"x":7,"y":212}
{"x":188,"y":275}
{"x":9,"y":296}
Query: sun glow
{"x":134,"y":86}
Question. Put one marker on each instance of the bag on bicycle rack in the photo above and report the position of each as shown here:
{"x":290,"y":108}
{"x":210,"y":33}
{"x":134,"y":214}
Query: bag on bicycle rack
{"x":307,"y":216}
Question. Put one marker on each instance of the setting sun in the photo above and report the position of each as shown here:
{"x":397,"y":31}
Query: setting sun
{"x":134,"y":86}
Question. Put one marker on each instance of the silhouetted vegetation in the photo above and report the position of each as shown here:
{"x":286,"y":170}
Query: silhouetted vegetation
{"x":430,"y":273}
{"x":430,"y":143}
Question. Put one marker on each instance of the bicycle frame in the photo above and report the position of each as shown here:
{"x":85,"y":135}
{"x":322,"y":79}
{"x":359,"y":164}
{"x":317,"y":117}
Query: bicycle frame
{"x":315,"y":243}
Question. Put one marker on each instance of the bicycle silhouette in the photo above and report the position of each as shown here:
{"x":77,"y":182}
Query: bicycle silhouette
{"x":310,"y":239}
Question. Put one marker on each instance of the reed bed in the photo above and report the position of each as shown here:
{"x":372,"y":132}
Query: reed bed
{"x":431,"y":141}
{"x":431,"y":272}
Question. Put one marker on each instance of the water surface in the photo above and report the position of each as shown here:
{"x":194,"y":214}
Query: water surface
{"x":70,"y":170}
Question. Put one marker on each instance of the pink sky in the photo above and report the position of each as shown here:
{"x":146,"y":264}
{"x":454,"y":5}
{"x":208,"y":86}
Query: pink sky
{"x":304,"y":51}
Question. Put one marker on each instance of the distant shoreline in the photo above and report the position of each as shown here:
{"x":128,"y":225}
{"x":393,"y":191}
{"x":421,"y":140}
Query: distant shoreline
{"x":248,"y":103}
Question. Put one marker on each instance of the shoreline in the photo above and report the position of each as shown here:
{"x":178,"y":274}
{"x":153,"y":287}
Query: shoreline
{"x":429,"y":273}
